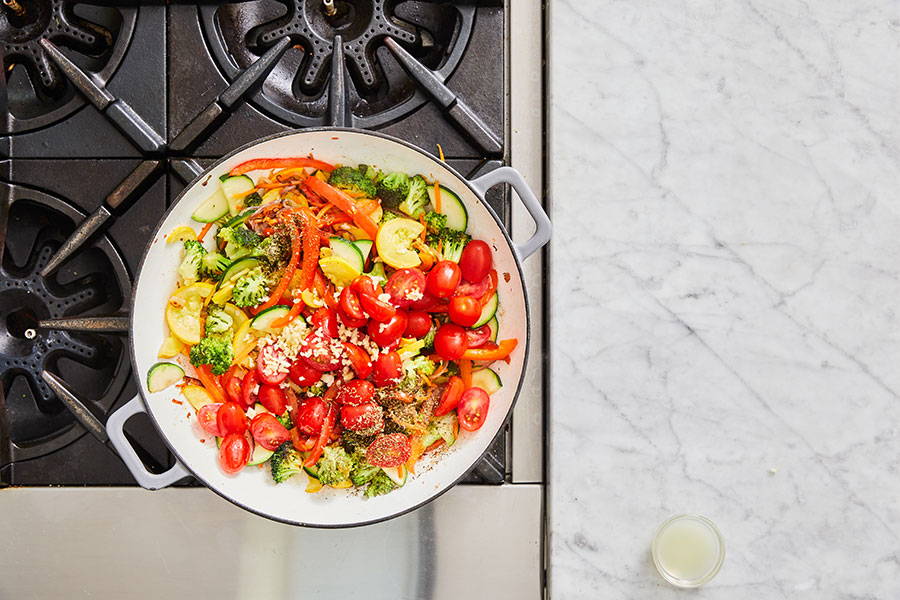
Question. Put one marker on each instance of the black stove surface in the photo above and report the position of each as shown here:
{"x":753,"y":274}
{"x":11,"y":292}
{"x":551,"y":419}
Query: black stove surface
{"x":161,"y":66}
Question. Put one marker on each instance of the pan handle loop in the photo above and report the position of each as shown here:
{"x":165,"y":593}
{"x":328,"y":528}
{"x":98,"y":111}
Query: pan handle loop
{"x":115,"y":428}
{"x":532,"y":204}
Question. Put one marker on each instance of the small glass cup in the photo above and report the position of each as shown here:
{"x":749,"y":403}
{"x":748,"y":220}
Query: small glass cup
{"x":688,"y":550}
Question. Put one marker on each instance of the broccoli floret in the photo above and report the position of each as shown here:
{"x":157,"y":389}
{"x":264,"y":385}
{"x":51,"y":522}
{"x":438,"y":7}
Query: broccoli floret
{"x":250,"y":288}
{"x":379,"y":485}
{"x":417,"y":198}
{"x":450,"y":241}
{"x":428,"y":340}
{"x":389,"y":215}
{"x":411,"y":381}
{"x":189,"y":269}
{"x":371,"y":172}
{"x":239,"y":240}
{"x":377,"y":274}
{"x":215,"y":351}
{"x":352,"y":180}
{"x":213,"y":264}
{"x":355,"y":442}
{"x":363,"y":473}
{"x":217,"y":320}
{"x":334,"y":466}
{"x":393,"y":189}
{"x":285,"y":463}
{"x":285,"y":419}
{"x":276,"y":249}
{"x":435,"y":221}
{"x":253,"y":199}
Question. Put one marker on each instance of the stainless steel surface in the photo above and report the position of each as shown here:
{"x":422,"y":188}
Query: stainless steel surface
{"x":85,"y":230}
{"x":526,"y":155}
{"x":96,"y":324}
{"x":473,"y":542}
{"x":75,"y":406}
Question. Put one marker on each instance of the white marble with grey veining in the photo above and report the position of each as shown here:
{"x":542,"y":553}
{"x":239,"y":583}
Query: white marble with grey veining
{"x":725,"y":180}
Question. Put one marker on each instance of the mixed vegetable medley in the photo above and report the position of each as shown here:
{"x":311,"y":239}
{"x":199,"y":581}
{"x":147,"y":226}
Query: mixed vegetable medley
{"x":335,"y":321}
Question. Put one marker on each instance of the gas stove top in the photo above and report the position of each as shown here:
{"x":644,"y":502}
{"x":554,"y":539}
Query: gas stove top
{"x":108,"y":111}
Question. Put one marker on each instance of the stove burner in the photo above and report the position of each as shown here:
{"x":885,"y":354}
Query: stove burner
{"x":38,"y":92}
{"x":33,"y":421}
{"x":379,"y":91}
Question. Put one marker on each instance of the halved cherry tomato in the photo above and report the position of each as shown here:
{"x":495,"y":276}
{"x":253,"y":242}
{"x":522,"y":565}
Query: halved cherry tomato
{"x":248,"y":389}
{"x":450,"y":396}
{"x":328,"y":423}
{"x":450,"y":341}
{"x":232,"y":383}
{"x":301,"y":442}
{"x":418,"y":324}
{"x":318,"y":353}
{"x":359,"y":360}
{"x":389,"y":450}
{"x":464,"y":310}
{"x":230,"y":418}
{"x":268,"y":432}
{"x":473,"y":408}
{"x":443,"y":278}
{"x":364,"y":416}
{"x":387,"y":335}
{"x":427,"y":302}
{"x":303,"y":375}
{"x":476,"y":290}
{"x":364,"y":285}
{"x":310,"y":416}
{"x":405,"y":286}
{"x":351,"y":323}
{"x":376,"y":309}
{"x":272,"y":397}
{"x":476,"y":261}
{"x":388,"y":369}
{"x":326,"y":319}
{"x":268,"y":365}
{"x":206,"y":416}
{"x":475,"y":338}
{"x":355,"y":392}
{"x":234,"y":453}
{"x":350,"y":304}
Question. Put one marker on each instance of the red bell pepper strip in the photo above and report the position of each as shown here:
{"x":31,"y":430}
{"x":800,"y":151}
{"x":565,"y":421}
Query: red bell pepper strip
{"x":209,"y":381}
{"x":502,"y":351}
{"x":285,"y":281}
{"x":344,"y":203}
{"x":310,"y":251}
{"x":324,"y":436}
{"x":301,"y":442}
{"x":257,"y":164}
{"x":465,"y":372}
{"x":296,"y":309}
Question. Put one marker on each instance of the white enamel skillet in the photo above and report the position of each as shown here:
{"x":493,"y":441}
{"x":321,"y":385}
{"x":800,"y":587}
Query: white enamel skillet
{"x":253,"y":488}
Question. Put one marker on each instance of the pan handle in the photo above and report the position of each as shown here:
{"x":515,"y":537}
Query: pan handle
{"x":532,"y":205}
{"x":115,"y":428}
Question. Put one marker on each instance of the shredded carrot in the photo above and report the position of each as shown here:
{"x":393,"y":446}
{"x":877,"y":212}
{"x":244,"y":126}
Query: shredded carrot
{"x":441,"y":368}
{"x":271,"y":185}
{"x":247,"y":193}
{"x":437,"y":195}
{"x":465,"y":372}
{"x":203,"y":231}
{"x":424,"y":229}
{"x":440,"y":153}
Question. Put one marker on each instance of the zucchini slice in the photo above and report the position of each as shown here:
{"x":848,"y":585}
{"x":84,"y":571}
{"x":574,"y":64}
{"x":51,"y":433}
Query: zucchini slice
{"x":263,"y":321}
{"x":489,"y":310}
{"x":312,"y":471}
{"x":494,"y":324}
{"x":452,"y":208}
{"x":348,"y":251}
{"x":259,"y":455}
{"x":236,"y":268}
{"x":396,"y":474}
{"x":162,"y":375}
{"x":486,"y":379}
{"x":238,"y":219}
{"x":442,"y":428}
{"x":364,"y":247}
{"x":236,"y":189}
{"x":197,"y":396}
{"x":213,"y":208}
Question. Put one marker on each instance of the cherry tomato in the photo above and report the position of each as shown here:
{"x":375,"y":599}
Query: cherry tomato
{"x":231,"y":418}
{"x":364,"y":416}
{"x":464,"y":310}
{"x":473,"y":408}
{"x":272,"y":397}
{"x":355,"y":392}
{"x":351,"y":323}
{"x":376,"y":309}
{"x":476,"y":290}
{"x":268,"y":365}
{"x":268,"y":432}
{"x":476,"y":338}
{"x":303,"y":375}
{"x":234,"y":453}
{"x":359,"y":360}
{"x":232,"y":384}
{"x":389,"y":450}
{"x":418,"y":324}
{"x":318,"y":353}
{"x":443,"y":278}
{"x":326,"y":319}
{"x":206,"y":416}
{"x":405,"y":287}
{"x":476,"y":261}
{"x":364,"y":285}
{"x":350,"y":304}
{"x":450,"y":341}
{"x":387,"y":335}
{"x":388,"y":369}
{"x":450,"y":396}
{"x":248,"y":389}
{"x":427,"y":302}
{"x":310,"y":416}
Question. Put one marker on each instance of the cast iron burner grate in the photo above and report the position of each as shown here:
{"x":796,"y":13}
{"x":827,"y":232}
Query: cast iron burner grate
{"x":32,"y":418}
{"x":379,"y":91}
{"x":38,"y":92}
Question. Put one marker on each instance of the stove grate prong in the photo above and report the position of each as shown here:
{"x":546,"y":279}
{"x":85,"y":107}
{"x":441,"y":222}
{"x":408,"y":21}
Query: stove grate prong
{"x":338,"y":96}
{"x":187,"y":169}
{"x":456,"y":109}
{"x":75,"y":406}
{"x":112,"y":324}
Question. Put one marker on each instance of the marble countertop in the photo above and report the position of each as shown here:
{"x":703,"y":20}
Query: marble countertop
{"x":725,"y":180}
